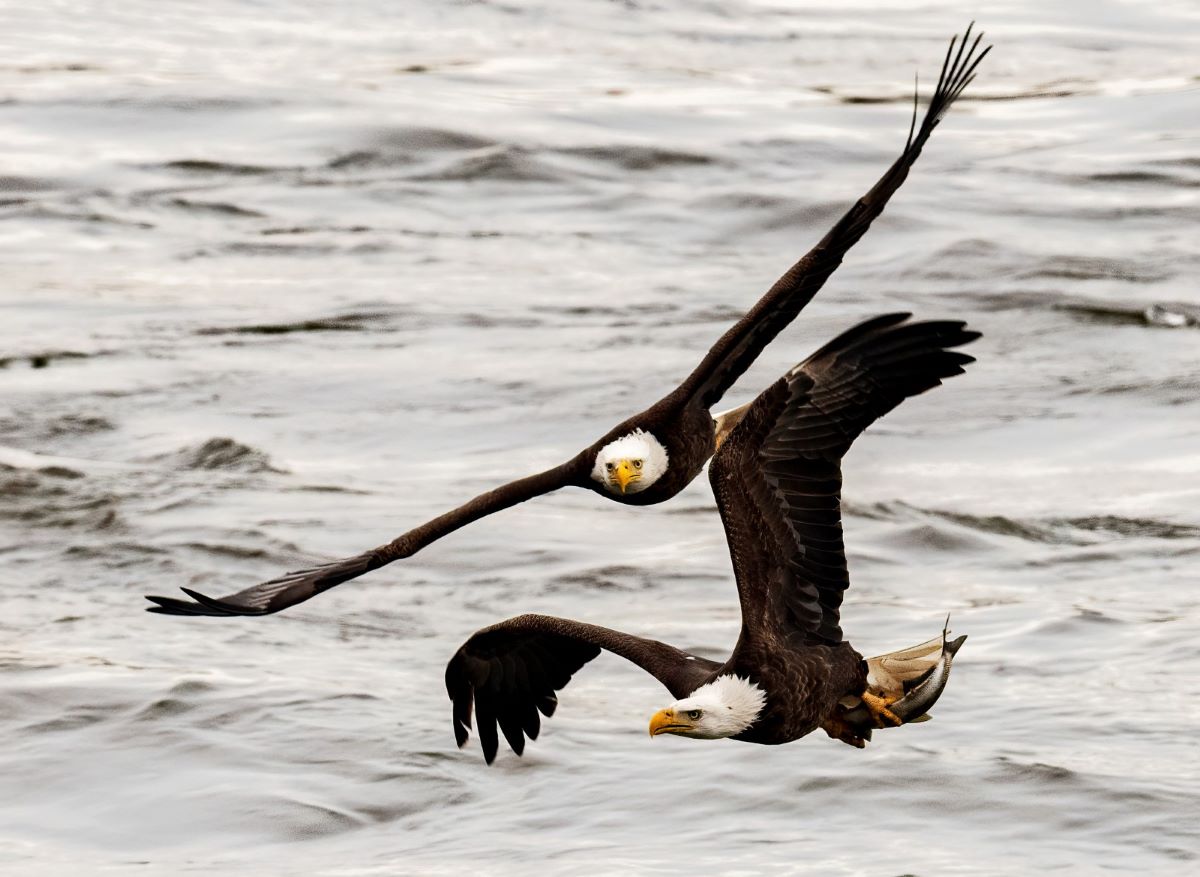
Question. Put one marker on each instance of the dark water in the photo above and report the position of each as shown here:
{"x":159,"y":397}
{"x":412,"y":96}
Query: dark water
{"x":280,"y":282}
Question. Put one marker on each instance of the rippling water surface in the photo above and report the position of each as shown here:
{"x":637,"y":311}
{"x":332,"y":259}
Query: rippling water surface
{"x":282,"y":280}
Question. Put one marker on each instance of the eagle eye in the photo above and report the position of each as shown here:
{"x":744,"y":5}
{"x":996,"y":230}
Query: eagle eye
{"x":694,"y":714}
{"x":608,"y":466}
{"x":637,"y":464}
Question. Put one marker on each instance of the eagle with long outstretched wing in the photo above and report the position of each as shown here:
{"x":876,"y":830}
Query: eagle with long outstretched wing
{"x":653,"y":455}
{"x":777,"y":479}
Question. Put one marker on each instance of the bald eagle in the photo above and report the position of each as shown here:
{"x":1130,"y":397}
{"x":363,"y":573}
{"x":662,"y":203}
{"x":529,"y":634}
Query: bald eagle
{"x":653,"y":455}
{"x":777,"y":480}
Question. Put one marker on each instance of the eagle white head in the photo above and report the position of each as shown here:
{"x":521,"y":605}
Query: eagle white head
{"x":631,"y":463}
{"x":724,"y":707}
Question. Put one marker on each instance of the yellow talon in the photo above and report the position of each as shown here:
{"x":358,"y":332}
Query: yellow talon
{"x":878,"y":708}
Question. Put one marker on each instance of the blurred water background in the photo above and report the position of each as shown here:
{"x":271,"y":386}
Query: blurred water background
{"x":283,"y":279}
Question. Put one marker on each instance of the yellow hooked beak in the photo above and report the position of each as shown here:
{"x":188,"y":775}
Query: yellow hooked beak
{"x":624,"y":473}
{"x":666,"y":722}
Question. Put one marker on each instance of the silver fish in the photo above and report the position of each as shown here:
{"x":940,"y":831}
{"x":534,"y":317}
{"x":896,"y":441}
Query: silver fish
{"x":910,"y":680}
{"x":923,"y":692}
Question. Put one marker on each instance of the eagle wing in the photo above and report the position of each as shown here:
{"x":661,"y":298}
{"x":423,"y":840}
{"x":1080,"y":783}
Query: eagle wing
{"x":509,"y":672}
{"x":778,"y":479}
{"x":737,"y":349}
{"x":300,"y":585}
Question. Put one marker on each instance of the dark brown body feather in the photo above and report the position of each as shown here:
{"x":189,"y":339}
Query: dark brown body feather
{"x":777,"y":479}
{"x":804,"y":684}
{"x":681,"y":421}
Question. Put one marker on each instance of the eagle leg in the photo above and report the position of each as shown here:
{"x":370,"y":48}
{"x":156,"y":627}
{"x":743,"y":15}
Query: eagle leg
{"x":839,"y":729}
{"x":878,"y":708}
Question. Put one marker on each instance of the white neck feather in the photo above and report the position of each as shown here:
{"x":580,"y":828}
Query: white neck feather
{"x":730,"y":705}
{"x":638,"y":445}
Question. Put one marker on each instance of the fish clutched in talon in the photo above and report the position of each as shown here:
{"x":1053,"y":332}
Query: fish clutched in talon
{"x":777,"y":478}
{"x":921,"y":691}
{"x":652,"y":456}
{"x":902,"y":688}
